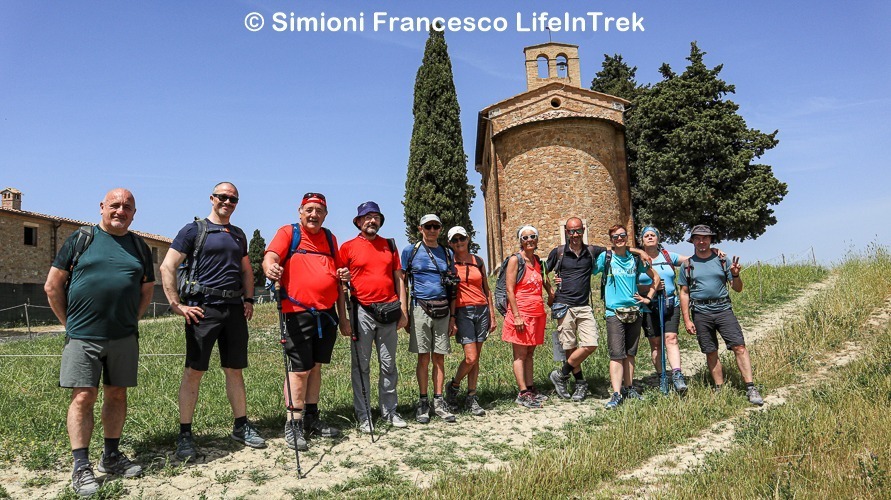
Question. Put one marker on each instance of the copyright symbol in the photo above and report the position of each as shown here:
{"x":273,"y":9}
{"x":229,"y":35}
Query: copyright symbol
{"x":253,"y":21}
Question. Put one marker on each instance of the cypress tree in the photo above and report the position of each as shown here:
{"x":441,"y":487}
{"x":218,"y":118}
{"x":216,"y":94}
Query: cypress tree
{"x":437,"y":166}
{"x":255,"y":253}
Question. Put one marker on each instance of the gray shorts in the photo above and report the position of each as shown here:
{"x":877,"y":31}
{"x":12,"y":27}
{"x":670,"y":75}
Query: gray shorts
{"x":622,"y":338}
{"x":723,"y":322}
{"x":428,"y":334}
{"x":473,"y":324}
{"x":84,"y":361}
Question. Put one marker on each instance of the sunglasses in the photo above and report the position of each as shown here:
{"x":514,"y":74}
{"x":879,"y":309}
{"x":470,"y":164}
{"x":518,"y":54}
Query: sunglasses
{"x":432,"y":227}
{"x":225,"y":198}
{"x":576,"y":231}
{"x":458,"y":238}
{"x":314,"y":195}
{"x":620,"y":236}
{"x":527,"y":237}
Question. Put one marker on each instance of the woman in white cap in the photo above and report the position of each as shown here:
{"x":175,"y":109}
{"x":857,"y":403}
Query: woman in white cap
{"x":524,"y":323}
{"x":472,"y":318}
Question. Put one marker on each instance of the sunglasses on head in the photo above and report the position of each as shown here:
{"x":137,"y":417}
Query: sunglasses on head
{"x":432,"y":227}
{"x":527,"y":237}
{"x":619,"y":236}
{"x":458,"y":238}
{"x":576,"y":231}
{"x":314,"y":195}
{"x":225,"y":198}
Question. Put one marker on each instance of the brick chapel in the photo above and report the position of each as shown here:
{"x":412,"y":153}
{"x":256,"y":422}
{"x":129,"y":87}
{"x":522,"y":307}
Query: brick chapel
{"x":555,"y":151}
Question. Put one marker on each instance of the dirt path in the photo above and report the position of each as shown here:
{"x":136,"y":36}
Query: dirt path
{"x":418,"y":452}
{"x":719,"y":437}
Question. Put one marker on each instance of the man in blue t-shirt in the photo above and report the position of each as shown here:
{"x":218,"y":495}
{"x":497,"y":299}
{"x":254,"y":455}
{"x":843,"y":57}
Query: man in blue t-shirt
{"x":705,"y":303}
{"x":424,"y":264}
{"x":217,"y":313}
{"x":109,"y":287}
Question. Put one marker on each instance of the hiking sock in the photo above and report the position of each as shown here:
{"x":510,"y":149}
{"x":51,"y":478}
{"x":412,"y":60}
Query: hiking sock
{"x":531,"y":388}
{"x":566,"y":369}
{"x":240,"y":422}
{"x":423,"y":396}
{"x":437,"y":396}
{"x":750,"y":384}
{"x":111,"y":445}
{"x":312,"y":408}
{"x":471,"y":392}
{"x":454,"y":385}
{"x":676,"y":370}
{"x":578,"y":375}
{"x":81,"y":457}
{"x":184,"y":428}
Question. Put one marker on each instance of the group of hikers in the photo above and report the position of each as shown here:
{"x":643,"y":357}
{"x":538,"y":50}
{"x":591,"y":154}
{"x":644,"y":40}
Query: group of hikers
{"x":101,"y":283}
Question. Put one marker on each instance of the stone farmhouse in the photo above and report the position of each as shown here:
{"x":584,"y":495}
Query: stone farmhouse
{"x":554,"y":151}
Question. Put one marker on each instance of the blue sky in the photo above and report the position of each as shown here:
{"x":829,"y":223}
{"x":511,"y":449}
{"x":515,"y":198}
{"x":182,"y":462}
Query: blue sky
{"x":167,"y":98}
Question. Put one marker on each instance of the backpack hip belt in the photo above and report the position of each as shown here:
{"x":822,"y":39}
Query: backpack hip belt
{"x":702,"y":302}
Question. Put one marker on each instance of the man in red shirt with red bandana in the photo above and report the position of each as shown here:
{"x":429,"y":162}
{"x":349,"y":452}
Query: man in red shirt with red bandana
{"x":310,"y":287}
{"x":378,"y":309}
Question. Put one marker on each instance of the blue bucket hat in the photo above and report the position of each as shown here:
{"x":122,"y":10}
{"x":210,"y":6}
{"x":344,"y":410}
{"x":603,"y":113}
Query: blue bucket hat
{"x":364,"y":209}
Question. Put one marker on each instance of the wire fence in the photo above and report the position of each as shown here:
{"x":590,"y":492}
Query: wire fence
{"x":156,"y":309}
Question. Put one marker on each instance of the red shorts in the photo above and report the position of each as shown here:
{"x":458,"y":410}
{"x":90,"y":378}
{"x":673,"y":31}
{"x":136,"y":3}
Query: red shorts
{"x":533,"y":334}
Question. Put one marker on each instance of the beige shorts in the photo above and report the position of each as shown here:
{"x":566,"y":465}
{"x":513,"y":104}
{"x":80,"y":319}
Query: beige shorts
{"x":428,"y":334}
{"x":577,"y":328}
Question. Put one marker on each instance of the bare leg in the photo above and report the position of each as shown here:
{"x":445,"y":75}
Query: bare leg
{"x":714,"y":366}
{"x":80,"y":416}
{"x":469,"y":362}
{"x":628,"y":371}
{"x":616,"y":368}
{"x":743,"y":362}
{"x":519,"y":365}
{"x":474,"y":374}
{"x":656,"y":352}
{"x":672,"y":350}
{"x":188,"y":394}
{"x":314,"y":384}
{"x":235,"y":391}
{"x":578,"y":356}
{"x":438,"y":372}
{"x":114,"y":410}
{"x":299,"y":381}
{"x":527,"y":365}
{"x":422,"y":373}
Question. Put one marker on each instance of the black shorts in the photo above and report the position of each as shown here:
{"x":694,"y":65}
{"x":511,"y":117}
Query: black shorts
{"x":622,"y":339}
{"x":651,"y":322}
{"x":304,"y":347}
{"x":723,"y":322}
{"x":225,"y":325}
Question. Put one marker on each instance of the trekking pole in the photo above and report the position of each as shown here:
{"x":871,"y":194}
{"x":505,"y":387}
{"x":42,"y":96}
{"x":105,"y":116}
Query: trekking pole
{"x":353,"y":319}
{"x":663,"y":380}
{"x":283,"y":328}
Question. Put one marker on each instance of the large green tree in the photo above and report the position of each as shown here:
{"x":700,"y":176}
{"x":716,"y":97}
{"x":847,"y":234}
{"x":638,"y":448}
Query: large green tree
{"x":691,"y":155}
{"x":255,"y":254}
{"x":437,"y":166}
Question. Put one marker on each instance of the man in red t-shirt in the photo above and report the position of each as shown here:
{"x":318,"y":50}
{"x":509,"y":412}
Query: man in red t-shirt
{"x":379,"y":308}
{"x":310,"y":288}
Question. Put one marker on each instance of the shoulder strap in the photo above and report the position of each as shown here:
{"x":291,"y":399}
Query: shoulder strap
{"x":392,"y":244}
{"x":479,"y":263}
{"x":330,"y":238}
{"x":81,"y":242}
{"x":591,"y":250}
{"x":200,"y":238}
{"x":667,"y":258}
{"x":688,"y":273}
{"x":433,"y":258}
{"x":295,"y":240}
{"x":560,"y":251}
{"x":411,"y":258}
{"x":145,"y":255}
{"x":607,"y":270}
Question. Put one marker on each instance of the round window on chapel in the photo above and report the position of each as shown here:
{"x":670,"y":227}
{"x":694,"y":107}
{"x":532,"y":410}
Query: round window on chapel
{"x":555,"y":103}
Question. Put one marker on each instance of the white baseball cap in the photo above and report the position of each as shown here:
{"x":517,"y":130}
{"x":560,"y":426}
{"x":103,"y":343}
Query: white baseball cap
{"x":457,"y":230}
{"x":429,"y":218}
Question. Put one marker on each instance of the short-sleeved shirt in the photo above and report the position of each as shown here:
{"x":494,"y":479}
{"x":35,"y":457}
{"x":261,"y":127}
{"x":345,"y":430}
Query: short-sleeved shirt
{"x":219,"y":261}
{"x":470,"y":289}
{"x":426,"y":280}
{"x":709,"y":282}
{"x":371,"y":264}
{"x":575,"y":274}
{"x":105,"y":286}
{"x":622,"y":282}
{"x":665,"y":271}
{"x":308,"y":278}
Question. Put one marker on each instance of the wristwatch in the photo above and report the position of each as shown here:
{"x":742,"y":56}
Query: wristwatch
{"x":249,"y":300}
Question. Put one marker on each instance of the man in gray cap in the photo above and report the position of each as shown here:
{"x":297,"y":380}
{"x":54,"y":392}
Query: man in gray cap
{"x":378,"y":308}
{"x":705,"y":304}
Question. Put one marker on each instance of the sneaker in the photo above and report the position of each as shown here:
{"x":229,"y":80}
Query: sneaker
{"x":717,"y":389}
{"x":185,"y":447}
{"x":317,"y":426}
{"x":581,"y":391}
{"x":294,"y":435}
{"x":451,"y":395}
{"x":423,"y":414}
{"x":248,"y":436}
{"x":680,"y":383}
{"x":83,"y":482}
{"x":614,"y":401}
{"x":441,"y":408}
{"x":395,"y":420}
{"x":528,"y":400}
{"x":754,"y":396}
{"x":366,"y":427}
{"x":473,"y":404}
{"x":559,"y":380}
{"x":541,"y":398}
{"x":118,"y":464}
{"x":631,"y":393}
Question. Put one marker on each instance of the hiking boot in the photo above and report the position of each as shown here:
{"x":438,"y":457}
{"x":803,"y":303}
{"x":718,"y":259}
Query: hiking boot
{"x":614,"y":401}
{"x":185,"y":447}
{"x":581,"y":391}
{"x":473,"y":404}
{"x":248,"y":436}
{"x":315,"y":425}
{"x":366,"y":427}
{"x":118,"y":464}
{"x":441,"y":408}
{"x":423,"y":414}
{"x":754,"y":396}
{"x":528,"y":400}
{"x":395,"y":420}
{"x":559,"y":380}
{"x":541,"y":398}
{"x":680,"y":383}
{"x":451,"y":395}
{"x":294,"y":435}
{"x":717,"y":389}
{"x":631,"y":393}
{"x":83,"y":482}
